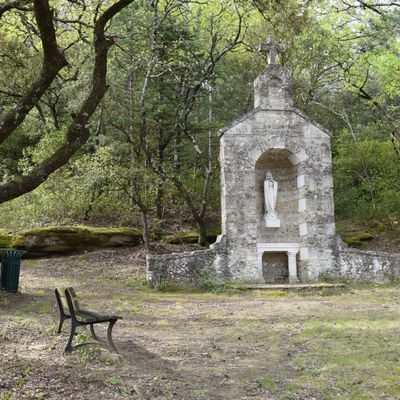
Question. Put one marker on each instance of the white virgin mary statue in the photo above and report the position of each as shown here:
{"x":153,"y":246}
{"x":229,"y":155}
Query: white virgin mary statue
{"x":270,"y":196}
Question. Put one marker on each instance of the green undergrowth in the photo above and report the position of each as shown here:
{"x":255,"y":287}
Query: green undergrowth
{"x":181,"y":238}
{"x":268,"y":382}
{"x":191,"y":289}
{"x":206,"y":280}
{"x":6,"y":239}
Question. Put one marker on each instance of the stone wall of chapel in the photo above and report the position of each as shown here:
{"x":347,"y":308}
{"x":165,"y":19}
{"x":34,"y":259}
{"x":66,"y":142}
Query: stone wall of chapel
{"x":305,"y":201}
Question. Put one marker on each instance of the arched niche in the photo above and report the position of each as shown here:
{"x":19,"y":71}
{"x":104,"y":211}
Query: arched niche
{"x":280,"y":162}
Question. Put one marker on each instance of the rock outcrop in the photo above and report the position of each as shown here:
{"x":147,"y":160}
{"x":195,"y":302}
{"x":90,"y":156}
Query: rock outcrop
{"x":69,"y":239}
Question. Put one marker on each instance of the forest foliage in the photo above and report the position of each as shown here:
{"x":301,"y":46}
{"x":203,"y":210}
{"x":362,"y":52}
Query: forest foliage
{"x":178,"y":71}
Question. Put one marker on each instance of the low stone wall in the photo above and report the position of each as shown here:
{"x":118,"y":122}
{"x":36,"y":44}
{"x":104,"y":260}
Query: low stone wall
{"x":178,"y":267}
{"x":359,"y":265}
{"x":352,"y":264}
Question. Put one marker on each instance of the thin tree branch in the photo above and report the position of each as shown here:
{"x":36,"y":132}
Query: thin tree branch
{"x":14,"y":5}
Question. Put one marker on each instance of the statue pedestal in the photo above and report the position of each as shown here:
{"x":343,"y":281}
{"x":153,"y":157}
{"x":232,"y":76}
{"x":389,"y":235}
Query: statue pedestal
{"x":272,"y":221}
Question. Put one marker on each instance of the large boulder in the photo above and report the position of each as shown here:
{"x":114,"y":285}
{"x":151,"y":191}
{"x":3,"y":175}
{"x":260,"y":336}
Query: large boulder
{"x":68,"y":239}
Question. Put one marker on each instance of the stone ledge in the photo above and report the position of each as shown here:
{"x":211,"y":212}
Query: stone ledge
{"x":371,"y":253}
{"x":291,"y":287}
{"x":175,"y":256}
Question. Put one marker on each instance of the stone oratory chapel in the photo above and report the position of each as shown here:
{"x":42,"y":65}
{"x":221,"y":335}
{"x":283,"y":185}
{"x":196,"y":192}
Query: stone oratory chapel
{"x":277,"y":207}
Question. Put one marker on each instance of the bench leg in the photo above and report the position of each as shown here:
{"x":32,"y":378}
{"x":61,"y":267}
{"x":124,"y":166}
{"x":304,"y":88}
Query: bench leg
{"x":92,"y":332}
{"x":109,"y":335}
{"x":60,"y":325}
{"x":68,"y":348}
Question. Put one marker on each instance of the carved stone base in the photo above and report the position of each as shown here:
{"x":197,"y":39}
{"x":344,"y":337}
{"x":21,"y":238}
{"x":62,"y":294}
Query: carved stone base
{"x":272,"y":221}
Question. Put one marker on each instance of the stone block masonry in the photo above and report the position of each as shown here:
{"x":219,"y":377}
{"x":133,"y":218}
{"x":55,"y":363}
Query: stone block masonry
{"x":350,"y":264}
{"x":185,"y":268}
{"x":372,"y":266}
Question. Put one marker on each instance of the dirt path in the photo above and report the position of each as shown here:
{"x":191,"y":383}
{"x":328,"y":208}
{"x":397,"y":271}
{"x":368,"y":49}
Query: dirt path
{"x":196,"y":345}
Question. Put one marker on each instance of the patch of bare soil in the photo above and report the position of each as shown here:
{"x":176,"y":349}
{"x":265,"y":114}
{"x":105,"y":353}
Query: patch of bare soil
{"x":181,"y":345}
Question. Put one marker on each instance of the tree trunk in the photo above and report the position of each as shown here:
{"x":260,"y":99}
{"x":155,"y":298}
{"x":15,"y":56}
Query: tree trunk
{"x":160,"y":186}
{"x":202,"y":233}
{"x":159,"y":201}
{"x":145,"y":229}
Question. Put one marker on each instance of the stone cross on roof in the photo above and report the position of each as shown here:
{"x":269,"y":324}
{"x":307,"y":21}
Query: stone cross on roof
{"x":272,"y":49}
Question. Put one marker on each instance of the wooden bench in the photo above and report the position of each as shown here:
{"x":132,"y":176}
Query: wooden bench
{"x":69,"y":308}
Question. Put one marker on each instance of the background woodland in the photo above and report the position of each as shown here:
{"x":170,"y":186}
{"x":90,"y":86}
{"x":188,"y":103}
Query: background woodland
{"x":110,"y":111}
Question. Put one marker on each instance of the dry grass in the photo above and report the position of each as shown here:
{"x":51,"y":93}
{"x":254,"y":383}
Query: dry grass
{"x":179,"y":345}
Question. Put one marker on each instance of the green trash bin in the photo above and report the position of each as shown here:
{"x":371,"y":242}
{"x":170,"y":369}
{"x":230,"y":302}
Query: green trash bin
{"x":3,"y":276}
{"x":10,"y":267}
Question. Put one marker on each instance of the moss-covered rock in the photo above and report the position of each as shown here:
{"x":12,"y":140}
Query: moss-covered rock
{"x":189,"y":237}
{"x":379,"y":227}
{"x":6,"y":239}
{"x":356,"y":239}
{"x":67,"y":239}
{"x":182,"y":238}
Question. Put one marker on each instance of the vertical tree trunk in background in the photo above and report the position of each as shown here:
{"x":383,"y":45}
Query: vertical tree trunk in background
{"x":201,"y":225}
{"x":160,"y":201}
{"x":145,"y":229}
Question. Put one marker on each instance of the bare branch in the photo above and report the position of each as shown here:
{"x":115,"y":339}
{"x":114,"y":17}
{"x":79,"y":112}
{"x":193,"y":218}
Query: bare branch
{"x":10,"y":94}
{"x":74,"y":21}
{"x":20,"y":5}
{"x":376,"y":7}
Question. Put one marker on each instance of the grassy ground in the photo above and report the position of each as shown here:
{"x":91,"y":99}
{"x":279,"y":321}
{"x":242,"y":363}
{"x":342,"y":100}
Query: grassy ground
{"x":177,"y":345}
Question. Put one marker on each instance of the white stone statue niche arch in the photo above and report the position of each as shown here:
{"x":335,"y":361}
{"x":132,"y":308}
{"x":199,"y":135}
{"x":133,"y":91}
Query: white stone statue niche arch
{"x":281,"y":240}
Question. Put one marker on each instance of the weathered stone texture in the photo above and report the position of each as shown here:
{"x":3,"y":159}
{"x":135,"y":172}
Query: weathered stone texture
{"x":294,"y":150}
{"x":178,"y":267}
{"x":372,"y":266}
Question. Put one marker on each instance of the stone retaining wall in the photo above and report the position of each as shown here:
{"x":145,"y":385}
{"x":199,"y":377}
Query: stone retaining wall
{"x":178,"y":267}
{"x":373,"y":266}
{"x":352,"y":264}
